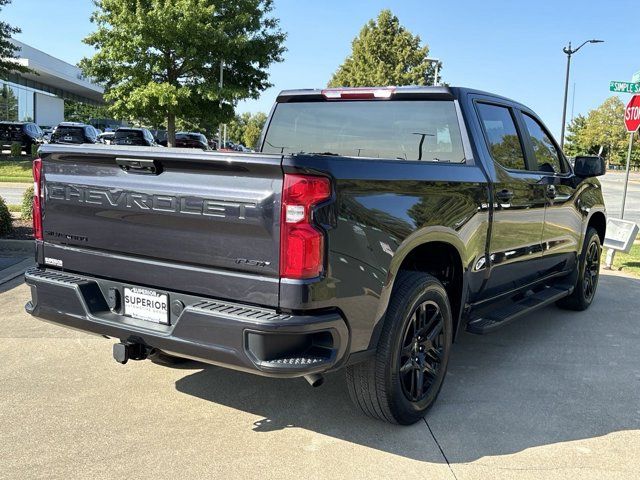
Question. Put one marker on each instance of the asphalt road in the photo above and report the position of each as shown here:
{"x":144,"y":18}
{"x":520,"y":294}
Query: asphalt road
{"x":12,"y":192}
{"x":554,"y":395}
{"x":613,"y":187}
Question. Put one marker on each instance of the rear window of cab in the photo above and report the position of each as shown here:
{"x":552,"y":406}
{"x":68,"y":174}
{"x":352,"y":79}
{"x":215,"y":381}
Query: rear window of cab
{"x":403,"y":130}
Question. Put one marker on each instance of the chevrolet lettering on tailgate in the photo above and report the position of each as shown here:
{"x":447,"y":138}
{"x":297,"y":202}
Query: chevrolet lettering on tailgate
{"x":187,"y":205}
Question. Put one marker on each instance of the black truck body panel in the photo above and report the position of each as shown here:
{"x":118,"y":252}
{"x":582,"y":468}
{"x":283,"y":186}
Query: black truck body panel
{"x":205,"y":226}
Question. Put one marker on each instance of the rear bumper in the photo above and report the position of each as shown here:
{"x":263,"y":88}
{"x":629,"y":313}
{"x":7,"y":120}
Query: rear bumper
{"x":241,"y":337}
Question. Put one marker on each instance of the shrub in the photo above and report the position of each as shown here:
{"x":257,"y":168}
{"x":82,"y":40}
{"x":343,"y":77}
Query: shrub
{"x":5,"y":218}
{"x":16,"y":149}
{"x":26,"y":210}
{"x":34,"y":150}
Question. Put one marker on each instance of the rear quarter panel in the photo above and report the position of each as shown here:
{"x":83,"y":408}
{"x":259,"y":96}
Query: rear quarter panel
{"x":384,"y":209}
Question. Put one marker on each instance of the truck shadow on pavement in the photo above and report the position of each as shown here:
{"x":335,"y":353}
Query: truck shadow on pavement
{"x":554,"y":376}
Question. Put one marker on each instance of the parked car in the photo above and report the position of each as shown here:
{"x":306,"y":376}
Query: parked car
{"x":106,"y":138}
{"x":46,"y":133}
{"x":372,"y":228}
{"x":189,"y":140}
{"x":74,"y":133}
{"x":134,"y":136}
{"x":25,"y":133}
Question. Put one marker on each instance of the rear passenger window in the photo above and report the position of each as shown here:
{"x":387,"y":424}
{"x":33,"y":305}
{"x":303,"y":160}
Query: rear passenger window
{"x":504,"y":143}
{"x":547,"y":156}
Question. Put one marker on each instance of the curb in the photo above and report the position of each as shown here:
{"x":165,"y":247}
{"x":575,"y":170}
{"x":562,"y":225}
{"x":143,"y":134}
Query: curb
{"x":15,"y":270}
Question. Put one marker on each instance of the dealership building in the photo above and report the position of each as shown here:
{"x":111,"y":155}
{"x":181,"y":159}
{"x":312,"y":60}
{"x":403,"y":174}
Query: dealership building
{"x":40,"y":96}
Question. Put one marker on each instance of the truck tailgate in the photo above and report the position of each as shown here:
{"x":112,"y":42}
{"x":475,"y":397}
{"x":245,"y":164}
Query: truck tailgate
{"x":175,"y":219}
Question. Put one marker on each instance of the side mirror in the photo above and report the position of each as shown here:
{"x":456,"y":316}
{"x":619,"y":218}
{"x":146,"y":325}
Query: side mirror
{"x":589,"y":166}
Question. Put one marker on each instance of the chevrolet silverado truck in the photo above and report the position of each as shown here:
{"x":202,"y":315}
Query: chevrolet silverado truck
{"x":371,"y":228}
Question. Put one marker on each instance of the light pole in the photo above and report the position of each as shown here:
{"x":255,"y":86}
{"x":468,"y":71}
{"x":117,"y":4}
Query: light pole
{"x":569,"y":52}
{"x":437,"y":62}
{"x":221,"y":84}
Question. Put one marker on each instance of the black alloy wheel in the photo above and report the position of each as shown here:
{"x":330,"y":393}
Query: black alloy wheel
{"x":591,"y":271}
{"x":422,"y":351}
{"x":587,"y":274}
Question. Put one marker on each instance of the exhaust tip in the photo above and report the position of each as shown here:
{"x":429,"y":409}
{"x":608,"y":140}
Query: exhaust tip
{"x":314,"y":379}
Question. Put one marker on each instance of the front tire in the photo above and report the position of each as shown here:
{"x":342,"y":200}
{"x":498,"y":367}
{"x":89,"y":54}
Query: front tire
{"x":402,"y":381}
{"x":588,"y":274}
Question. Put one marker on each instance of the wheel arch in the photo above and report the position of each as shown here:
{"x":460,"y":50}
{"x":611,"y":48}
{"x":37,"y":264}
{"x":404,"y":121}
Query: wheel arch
{"x":598,"y":220}
{"x":440,"y":256}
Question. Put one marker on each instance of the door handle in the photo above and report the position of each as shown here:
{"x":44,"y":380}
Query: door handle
{"x":551,"y":191}
{"x":504,"y":195}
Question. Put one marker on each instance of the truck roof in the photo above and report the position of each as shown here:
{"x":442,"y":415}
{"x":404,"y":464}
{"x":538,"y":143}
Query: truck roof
{"x":403,"y":92}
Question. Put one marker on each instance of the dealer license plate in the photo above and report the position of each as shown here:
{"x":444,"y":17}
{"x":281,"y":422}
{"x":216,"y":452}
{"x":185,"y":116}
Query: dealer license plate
{"x":146,"y":304}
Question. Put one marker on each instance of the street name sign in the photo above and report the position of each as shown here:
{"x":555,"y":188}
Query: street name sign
{"x":636,"y":78}
{"x":624,"y":87}
{"x":632,"y":114}
{"x":620,"y":234}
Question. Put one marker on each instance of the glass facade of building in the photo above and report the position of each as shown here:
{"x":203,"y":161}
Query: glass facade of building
{"x":17,"y":96}
{"x":17,"y":101}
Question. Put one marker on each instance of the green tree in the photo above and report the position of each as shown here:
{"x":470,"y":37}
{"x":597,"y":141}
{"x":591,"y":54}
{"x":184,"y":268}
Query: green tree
{"x":83,"y":112}
{"x":254,"y":129}
{"x":576,"y":141}
{"x":385,"y":53}
{"x":6,"y":223}
{"x":605,"y":130}
{"x":235,"y":128}
{"x":246,"y":128}
{"x":7,"y":49}
{"x":602,"y":132}
{"x":159,"y":60}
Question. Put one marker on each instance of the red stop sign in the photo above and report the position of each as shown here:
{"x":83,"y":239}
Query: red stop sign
{"x":632,"y":114}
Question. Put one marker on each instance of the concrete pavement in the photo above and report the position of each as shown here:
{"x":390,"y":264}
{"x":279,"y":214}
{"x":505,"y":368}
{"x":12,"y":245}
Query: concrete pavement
{"x":554,"y":395}
{"x":15,"y":257}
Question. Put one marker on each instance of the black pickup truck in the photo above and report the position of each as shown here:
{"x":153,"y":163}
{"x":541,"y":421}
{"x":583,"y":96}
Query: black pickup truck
{"x":372,"y":227}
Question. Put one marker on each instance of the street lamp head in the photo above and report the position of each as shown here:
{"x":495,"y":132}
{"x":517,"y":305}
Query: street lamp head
{"x":596,"y":41}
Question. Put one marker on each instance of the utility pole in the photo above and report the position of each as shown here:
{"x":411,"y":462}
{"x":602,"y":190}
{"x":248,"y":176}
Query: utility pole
{"x":568,"y":51}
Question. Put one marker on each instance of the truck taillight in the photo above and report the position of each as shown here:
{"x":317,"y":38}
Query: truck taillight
{"x":301,"y":243}
{"x":37,"y":199}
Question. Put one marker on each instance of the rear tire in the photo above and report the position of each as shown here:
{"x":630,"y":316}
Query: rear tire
{"x":588,"y":274}
{"x":402,"y":381}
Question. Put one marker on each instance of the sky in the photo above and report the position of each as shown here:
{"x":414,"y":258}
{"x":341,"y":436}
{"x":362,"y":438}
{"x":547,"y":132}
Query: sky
{"x":512,"y":48}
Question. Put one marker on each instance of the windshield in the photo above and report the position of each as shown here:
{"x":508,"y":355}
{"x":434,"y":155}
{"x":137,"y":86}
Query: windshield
{"x":404,"y":130}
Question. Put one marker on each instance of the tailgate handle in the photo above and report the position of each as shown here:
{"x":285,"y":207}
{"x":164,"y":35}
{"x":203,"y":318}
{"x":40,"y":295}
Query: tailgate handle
{"x":139,"y":165}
